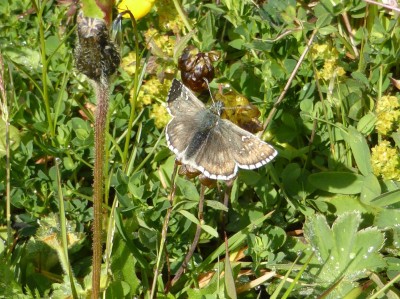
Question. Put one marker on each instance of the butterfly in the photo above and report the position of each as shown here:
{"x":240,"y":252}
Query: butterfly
{"x":200,"y":138}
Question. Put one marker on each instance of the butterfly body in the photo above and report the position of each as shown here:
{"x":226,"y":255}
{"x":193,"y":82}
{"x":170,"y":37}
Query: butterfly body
{"x":204,"y":141}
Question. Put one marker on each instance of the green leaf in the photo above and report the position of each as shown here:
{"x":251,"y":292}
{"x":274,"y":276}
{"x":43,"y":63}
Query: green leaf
{"x":370,"y":189}
{"x":344,"y":254}
{"x":216,"y":205}
{"x":359,"y":149}
{"x":15,"y":138}
{"x":213,"y":232}
{"x":135,"y":185}
{"x":181,"y":45}
{"x":337,"y":182}
{"x":367,"y":123}
{"x":386,"y":199}
{"x":387,"y":218}
{"x":230,"y":288}
{"x":360,"y":77}
{"x":189,"y":216}
{"x":118,"y":289}
{"x":188,"y":189}
{"x":23,"y":56}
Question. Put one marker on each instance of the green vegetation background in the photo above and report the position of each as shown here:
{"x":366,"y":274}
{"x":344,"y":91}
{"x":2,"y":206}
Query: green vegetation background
{"x":321,"y":219}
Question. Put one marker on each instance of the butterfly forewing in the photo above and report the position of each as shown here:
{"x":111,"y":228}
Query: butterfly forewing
{"x":181,"y":101}
{"x":248,"y":150}
{"x":179,"y":132}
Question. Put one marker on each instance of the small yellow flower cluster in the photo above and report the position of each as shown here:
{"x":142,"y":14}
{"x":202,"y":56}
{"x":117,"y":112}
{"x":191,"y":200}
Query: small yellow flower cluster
{"x":153,"y":92}
{"x":385,"y":161}
{"x":160,"y":115}
{"x":164,"y":42}
{"x":168,"y":17}
{"x":388,"y":114}
{"x":330,"y":56}
{"x":128,"y":63}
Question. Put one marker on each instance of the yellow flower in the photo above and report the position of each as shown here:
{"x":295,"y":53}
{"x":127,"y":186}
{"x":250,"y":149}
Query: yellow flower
{"x":385,"y":161}
{"x":152,"y":91}
{"x":163,"y":42}
{"x":388,"y":114}
{"x":168,"y":17}
{"x":320,"y":51}
{"x":160,"y":115}
{"x":128,"y":63}
{"x":139,"y":8}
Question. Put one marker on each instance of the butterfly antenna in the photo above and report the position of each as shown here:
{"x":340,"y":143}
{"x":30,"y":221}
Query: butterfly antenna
{"x":209,"y":90}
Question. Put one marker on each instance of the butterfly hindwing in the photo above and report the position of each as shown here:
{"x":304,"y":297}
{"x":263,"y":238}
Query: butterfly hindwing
{"x":248,"y":150}
{"x":214,"y":159}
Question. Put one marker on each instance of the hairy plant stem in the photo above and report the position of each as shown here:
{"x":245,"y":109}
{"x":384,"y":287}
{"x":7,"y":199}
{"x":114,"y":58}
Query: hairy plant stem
{"x":102,"y":94}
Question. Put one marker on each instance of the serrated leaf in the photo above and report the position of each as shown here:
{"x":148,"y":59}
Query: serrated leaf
{"x":344,"y":253}
{"x":387,"y":218}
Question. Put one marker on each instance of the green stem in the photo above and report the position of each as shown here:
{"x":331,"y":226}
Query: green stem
{"x":64,"y":260}
{"x":135,"y":94}
{"x":185,"y":20}
{"x":45,"y":95}
{"x":164,"y":233}
{"x":98,"y":191}
{"x":44,"y":69}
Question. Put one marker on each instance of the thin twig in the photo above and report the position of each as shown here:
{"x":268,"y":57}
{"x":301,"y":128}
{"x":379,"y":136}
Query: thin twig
{"x":286,"y":88}
{"x":351,"y":35}
{"x":383,"y":5}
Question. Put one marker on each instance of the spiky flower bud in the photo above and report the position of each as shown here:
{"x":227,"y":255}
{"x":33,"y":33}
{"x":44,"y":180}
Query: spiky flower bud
{"x":96,"y":56}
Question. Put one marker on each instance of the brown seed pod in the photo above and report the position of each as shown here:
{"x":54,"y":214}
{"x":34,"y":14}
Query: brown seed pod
{"x":196,"y":66}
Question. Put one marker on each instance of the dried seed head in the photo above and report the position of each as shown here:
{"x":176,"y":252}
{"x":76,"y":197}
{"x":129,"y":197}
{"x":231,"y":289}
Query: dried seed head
{"x":96,"y":56}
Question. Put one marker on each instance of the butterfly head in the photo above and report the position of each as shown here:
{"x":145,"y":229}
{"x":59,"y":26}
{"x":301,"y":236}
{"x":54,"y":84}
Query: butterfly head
{"x":217,"y":107}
